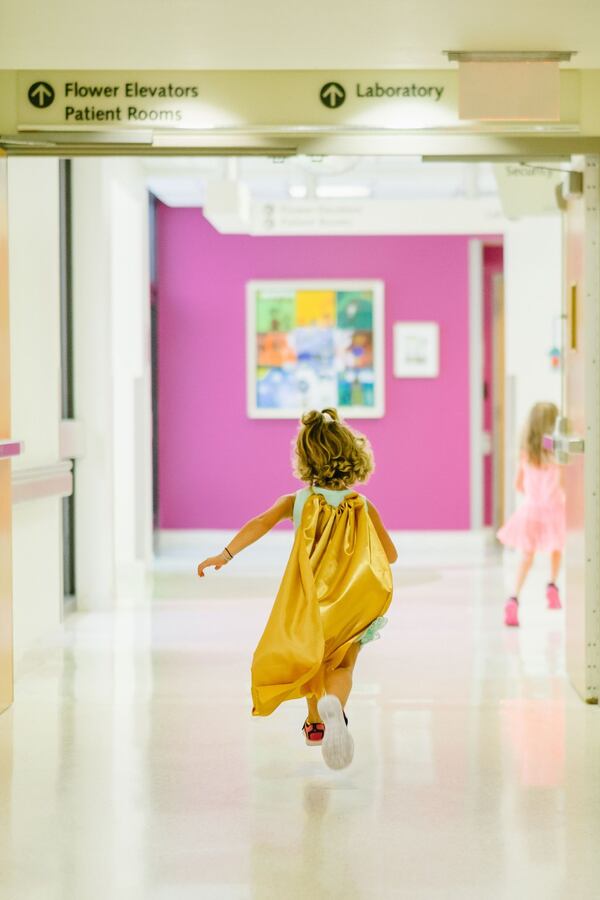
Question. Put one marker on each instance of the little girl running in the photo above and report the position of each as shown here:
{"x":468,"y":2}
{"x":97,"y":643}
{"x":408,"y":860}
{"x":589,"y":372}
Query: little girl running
{"x":335,"y":590}
{"x":538,"y":525}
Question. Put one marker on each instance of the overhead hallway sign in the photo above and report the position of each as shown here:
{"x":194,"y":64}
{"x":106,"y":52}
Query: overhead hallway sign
{"x":109,"y":101}
{"x":199,"y":100}
{"x":360,"y":101}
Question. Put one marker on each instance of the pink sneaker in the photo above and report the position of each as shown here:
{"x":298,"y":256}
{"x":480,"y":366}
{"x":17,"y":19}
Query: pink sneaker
{"x":511,"y":612}
{"x":552,"y":597}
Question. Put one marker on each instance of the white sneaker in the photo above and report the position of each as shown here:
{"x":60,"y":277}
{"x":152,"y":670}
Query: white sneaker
{"x":338,"y":746}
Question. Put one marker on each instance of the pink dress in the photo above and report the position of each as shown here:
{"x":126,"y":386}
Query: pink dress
{"x":538,"y":525}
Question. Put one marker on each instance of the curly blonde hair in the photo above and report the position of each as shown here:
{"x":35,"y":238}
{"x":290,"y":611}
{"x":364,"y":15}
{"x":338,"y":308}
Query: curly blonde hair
{"x":329,"y":454}
{"x":541,"y":421}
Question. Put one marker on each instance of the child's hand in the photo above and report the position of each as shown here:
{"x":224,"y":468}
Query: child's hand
{"x":213,"y":561}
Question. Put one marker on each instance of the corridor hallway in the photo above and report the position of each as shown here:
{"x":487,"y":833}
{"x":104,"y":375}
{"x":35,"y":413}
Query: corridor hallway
{"x":131,"y":768}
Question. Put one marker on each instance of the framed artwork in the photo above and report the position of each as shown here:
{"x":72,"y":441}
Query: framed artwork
{"x":313,"y":344}
{"x":416,"y":350}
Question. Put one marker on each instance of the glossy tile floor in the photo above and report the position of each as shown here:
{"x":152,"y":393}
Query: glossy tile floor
{"x":131,"y":768}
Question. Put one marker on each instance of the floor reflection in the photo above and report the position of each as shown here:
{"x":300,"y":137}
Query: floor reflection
{"x":131,"y":767}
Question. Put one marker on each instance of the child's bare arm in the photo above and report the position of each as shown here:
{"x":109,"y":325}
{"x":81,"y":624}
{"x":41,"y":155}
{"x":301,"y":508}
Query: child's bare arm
{"x":520,"y":478}
{"x":386,"y":541}
{"x":252,"y":531}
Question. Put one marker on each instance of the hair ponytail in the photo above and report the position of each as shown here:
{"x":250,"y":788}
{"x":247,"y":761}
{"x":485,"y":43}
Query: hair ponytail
{"x":314,"y":417}
{"x":330,"y":454}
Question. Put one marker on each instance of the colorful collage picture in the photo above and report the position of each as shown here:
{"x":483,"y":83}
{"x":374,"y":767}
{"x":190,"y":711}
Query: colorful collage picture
{"x":312,"y":347}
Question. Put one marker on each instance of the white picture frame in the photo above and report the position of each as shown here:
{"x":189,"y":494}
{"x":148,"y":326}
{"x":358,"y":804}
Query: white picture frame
{"x":416,"y":350}
{"x":319,"y":397}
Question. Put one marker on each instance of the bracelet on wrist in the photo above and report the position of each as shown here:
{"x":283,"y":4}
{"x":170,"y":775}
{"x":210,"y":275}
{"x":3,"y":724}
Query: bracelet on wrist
{"x":227,"y":554}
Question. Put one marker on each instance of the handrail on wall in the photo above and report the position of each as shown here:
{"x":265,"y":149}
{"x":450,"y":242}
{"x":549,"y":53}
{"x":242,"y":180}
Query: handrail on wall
{"x":10,"y":448}
{"x":45,"y":481}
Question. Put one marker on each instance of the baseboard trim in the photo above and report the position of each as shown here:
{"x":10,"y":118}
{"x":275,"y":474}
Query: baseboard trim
{"x":177,"y":549}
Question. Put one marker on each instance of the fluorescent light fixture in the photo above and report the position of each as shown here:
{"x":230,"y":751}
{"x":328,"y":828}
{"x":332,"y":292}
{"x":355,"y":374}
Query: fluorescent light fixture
{"x":509,"y":55}
{"x":298,"y":191}
{"x":342,"y":191}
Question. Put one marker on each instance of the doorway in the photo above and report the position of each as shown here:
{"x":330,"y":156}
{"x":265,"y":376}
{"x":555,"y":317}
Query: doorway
{"x":493,"y":474}
{"x":6,"y":587}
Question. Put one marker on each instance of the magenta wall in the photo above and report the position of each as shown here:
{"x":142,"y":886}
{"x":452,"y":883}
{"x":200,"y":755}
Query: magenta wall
{"x":218,"y":468}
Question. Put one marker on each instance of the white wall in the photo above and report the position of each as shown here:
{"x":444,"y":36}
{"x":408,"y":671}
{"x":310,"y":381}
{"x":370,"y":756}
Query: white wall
{"x":113,"y":498}
{"x":533,"y":266}
{"x":35,"y":371}
{"x":217,"y":34}
{"x":113,"y":494}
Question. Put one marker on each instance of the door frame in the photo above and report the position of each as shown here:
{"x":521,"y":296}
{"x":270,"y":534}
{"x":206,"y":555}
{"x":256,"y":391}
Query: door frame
{"x":591,"y":189}
{"x":6,"y":623}
{"x":472,"y":147}
{"x":67,"y":375}
{"x":581,"y":297}
{"x":476,"y":288}
{"x":476,"y":389}
{"x":498,"y":400}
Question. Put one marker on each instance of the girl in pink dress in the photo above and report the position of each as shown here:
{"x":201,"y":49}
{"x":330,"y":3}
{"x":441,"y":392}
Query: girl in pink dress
{"x":538,"y":525}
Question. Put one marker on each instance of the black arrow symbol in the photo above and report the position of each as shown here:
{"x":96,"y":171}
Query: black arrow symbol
{"x":333,"y":95}
{"x":41,"y":94}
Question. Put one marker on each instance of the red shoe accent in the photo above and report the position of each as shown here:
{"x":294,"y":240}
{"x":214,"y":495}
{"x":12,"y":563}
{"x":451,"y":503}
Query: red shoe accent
{"x":314,"y":732}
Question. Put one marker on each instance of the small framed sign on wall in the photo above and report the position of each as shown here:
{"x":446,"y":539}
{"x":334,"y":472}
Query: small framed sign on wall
{"x":416,"y":350}
{"x":313,"y":344}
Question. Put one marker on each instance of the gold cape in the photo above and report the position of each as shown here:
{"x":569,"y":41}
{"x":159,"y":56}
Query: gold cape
{"x":337,"y":581}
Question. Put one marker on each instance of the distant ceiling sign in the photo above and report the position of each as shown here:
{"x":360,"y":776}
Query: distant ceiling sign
{"x":528,"y":190}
